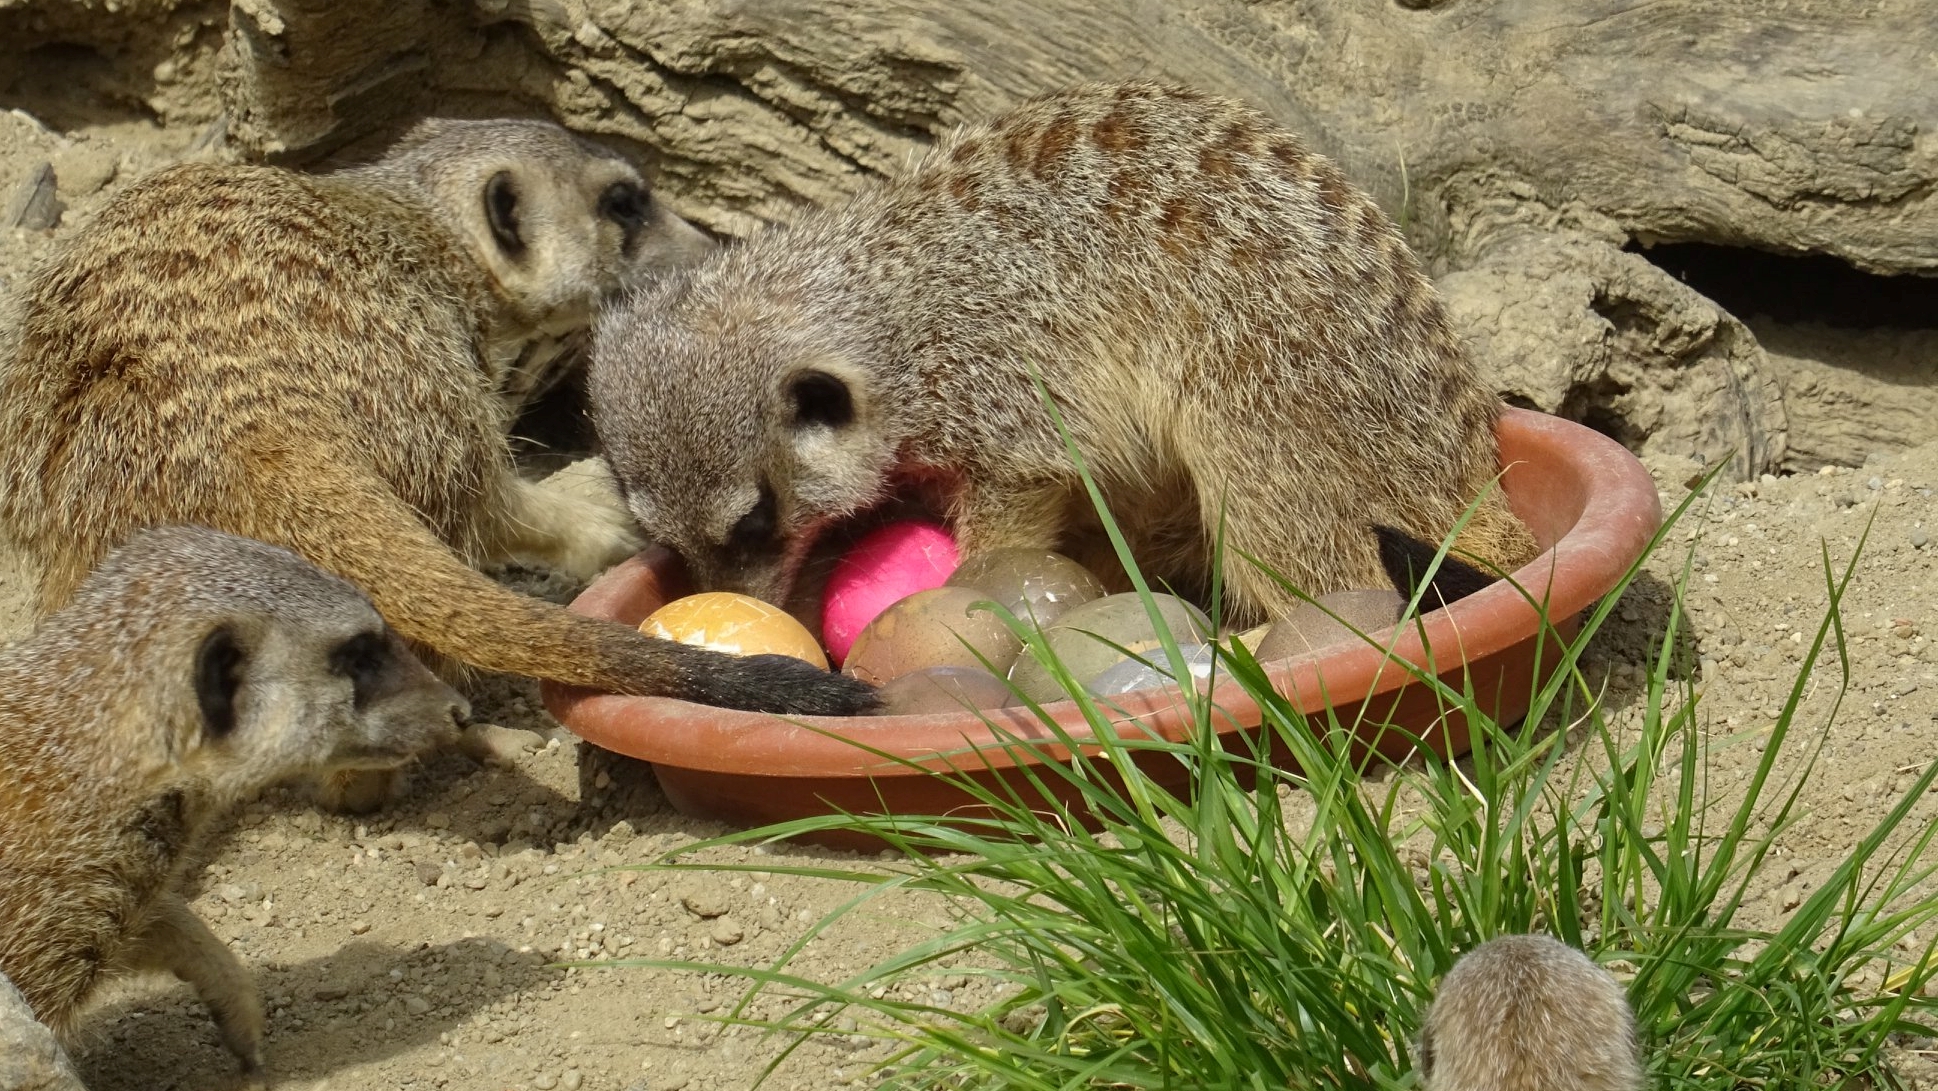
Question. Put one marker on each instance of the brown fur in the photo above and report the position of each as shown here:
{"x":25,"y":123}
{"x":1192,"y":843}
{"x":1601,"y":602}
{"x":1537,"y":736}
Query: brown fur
{"x":1529,"y":1013}
{"x":191,"y":670}
{"x":1230,"y":330}
{"x":324,"y":363}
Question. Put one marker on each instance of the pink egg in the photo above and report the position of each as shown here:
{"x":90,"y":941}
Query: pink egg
{"x":888,"y":564}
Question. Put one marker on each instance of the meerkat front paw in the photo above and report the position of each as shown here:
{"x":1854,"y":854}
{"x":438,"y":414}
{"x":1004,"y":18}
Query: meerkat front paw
{"x":605,"y":537}
{"x":178,"y":941}
{"x":572,"y":522}
{"x":357,"y":791}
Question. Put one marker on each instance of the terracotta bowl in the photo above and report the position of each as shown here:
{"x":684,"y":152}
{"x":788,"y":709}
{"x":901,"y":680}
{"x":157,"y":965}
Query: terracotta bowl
{"x":1590,"y":504}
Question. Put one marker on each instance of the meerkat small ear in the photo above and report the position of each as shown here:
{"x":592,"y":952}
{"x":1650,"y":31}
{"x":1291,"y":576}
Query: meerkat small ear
{"x":218,"y":677}
{"x":501,"y":212}
{"x":821,"y":399}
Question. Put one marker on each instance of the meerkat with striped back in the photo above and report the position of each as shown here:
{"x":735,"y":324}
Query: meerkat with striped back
{"x":190,"y":670}
{"x":329,"y":363}
{"x":1238,"y":341}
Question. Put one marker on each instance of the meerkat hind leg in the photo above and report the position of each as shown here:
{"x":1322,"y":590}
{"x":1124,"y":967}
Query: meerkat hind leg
{"x":1028,"y":515}
{"x":573,"y":522}
{"x":1294,"y":540}
{"x":176,"y":940}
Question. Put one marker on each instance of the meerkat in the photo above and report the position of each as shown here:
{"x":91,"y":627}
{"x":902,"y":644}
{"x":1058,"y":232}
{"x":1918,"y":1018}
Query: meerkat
{"x":1237,"y":339}
{"x":190,"y":670}
{"x":320,"y":362}
{"x":1530,"y":1013}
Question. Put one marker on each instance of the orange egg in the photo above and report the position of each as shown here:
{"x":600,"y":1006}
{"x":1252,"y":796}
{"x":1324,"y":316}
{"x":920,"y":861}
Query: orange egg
{"x":736,"y":624}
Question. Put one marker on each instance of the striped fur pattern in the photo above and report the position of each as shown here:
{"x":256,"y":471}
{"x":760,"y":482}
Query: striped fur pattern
{"x":317,"y":362}
{"x":1231,"y":331}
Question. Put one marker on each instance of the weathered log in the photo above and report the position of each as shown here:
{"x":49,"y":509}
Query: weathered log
{"x":1803,"y":128}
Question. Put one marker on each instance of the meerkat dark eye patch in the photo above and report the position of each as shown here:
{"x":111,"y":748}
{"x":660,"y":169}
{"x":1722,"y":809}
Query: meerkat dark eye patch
{"x":756,"y":528}
{"x":361,"y":659}
{"x":821,"y":400}
{"x":501,"y":212}
{"x":218,"y":678}
{"x":625,"y":204}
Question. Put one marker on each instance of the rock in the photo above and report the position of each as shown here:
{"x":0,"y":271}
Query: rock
{"x":36,"y":205}
{"x":84,"y":168}
{"x":1573,"y":326}
{"x":726,"y":932}
{"x":706,"y":900}
{"x":504,"y":745}
{"x":30,"y":1058}
{"x":237,"y":894}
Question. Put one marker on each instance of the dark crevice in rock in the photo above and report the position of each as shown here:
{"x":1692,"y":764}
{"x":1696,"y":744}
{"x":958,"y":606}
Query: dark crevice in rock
{"x":1798,"y":289}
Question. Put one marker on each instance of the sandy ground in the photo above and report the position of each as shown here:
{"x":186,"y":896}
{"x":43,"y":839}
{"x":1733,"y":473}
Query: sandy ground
{"x":410,"y":949}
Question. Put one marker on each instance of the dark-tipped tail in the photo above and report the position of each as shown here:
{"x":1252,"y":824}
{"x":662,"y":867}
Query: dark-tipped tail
{"x":1406,"y":559}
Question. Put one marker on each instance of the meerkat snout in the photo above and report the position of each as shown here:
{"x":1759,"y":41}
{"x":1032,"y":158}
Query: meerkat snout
{"x":190,"y":670}
{"x":1530,"y":1013}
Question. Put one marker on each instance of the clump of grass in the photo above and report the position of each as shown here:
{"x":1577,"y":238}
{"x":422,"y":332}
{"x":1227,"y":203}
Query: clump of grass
{"x":1205,"y":939}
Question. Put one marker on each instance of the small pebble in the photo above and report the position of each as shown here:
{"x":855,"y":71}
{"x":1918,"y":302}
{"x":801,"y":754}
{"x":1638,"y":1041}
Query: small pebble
{"x":706,"y":900}
{"x":504,"y":745}
{"x":1919,"y":539}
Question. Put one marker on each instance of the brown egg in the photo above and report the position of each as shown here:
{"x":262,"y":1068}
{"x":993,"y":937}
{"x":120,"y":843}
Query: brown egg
{"x":737,"y":624}
{"x":1083,"y":639}
{"x":1033,"y":584}
{"x":943,"y":689}
{"x":933,"y":628}
{"x":1307,"y":628}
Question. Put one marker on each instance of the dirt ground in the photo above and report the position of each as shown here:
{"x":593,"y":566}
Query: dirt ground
{"x":409,"y":949}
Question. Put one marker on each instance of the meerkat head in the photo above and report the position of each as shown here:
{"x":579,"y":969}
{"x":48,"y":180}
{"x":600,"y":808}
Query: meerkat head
{"x":259,"y":665}
{"x":1529,"y":1011}
{"x":737,"y":431}
{"x":559,"y":223}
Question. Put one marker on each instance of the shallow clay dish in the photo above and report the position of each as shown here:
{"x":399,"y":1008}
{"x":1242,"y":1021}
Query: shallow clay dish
{"x":1590,"y":504}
